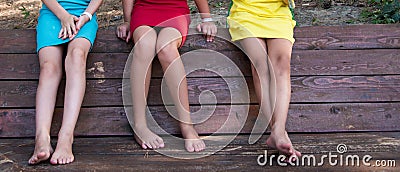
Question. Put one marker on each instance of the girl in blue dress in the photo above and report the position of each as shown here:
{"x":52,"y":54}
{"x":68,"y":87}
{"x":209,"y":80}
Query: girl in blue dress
{"x":70,"y":26}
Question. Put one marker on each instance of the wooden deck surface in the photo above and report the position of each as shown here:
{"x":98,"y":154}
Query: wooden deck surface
{"x":345,"y":90}
{"x":123,"y":154}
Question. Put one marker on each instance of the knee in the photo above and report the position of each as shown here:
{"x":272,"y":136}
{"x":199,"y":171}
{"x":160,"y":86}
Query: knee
{"x":260,"y":66}
{"x":51,"y":70}
{"x":168,"y":53}
{"x":76,"y":58}
{"x":141,"y":51}
{"x":282,"y":64}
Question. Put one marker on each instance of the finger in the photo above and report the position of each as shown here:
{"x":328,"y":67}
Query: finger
{"x":73,"y":27}
{"x":117,"y":32}
{"x":208,"y":38}
{"x":212,"y":38}
{"x":214,"y":31}
{"x":209,"y":34}
{"x":123,"y":33}
{"x":78,"y":26}
{"x":60,"y":33}
{"x":128,"y":37}
{"x":65,"y":34}
{"x":73,"y":36}
{"x":75,"y":18}
{"x":199,"y":28}
{"x":204,"y":30}
{"x":69,"y":31}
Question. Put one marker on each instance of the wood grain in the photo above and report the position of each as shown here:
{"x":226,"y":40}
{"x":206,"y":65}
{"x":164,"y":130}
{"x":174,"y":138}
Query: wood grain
{"x":308,"y":38}
{"x":310,"y":62}
{"x":110,"y":153}
{"x":302,"y":118}
{"x":108,"y":92}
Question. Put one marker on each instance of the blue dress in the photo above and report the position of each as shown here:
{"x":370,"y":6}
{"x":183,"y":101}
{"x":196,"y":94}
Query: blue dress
{"x":49,"y":25}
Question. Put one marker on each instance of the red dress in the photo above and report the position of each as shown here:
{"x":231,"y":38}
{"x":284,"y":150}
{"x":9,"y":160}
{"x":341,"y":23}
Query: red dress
{"x":162,"y":13}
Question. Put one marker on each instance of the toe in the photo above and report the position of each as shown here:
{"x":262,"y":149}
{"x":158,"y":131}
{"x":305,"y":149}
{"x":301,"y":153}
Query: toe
{"x":160,"y":142}
{"x":53,"y":161}
{"x":70,"y":160}
{"x":194,"y":147}
{"x":61,"y":161}
{"x":144,"y":146}
{"x":157,"y":144}
{"x":153,"y":145}
{"x":190,"y":148}
{"x":32,"y":160}
{"x":202,"y":146}
{"x":198,"y":147}
{"x":148,"y":145}
{"x":298,"y":154}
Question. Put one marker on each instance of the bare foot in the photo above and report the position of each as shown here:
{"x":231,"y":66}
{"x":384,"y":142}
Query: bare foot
{"x":282,"y":143}
{"x":63,"y":154}
{"x":43,"y":150}
{"x":193,"y":143}
{"x":147,"y":139}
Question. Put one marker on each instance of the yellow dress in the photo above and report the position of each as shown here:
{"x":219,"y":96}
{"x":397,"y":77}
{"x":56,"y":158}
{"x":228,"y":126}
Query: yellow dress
{"x":262,"y":19}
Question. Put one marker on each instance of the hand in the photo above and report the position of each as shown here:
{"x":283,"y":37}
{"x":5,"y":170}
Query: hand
{"x":209,"y":29}
{"x":68,"y":28}
{"x":124,"y":32}
{"x":83,"y":19}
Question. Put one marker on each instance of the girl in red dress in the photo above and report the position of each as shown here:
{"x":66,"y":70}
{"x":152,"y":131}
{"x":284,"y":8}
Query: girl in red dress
{"x":159,"y":27}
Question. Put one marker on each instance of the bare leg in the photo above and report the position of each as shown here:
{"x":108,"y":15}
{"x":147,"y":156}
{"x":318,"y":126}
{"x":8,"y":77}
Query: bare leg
{"x":144,"y":52}
{"x":256,"y":50}
{"x":50,"y":76}
{"x":279,"y":51}
{"x":75,"y":65}
{"x":168,"y":41}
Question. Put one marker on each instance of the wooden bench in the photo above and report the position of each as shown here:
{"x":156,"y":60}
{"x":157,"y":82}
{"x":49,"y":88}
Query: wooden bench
{"x":345,"y":84}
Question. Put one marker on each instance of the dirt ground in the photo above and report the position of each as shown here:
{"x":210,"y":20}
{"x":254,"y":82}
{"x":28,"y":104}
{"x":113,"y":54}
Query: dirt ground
{"x":19,"y":14}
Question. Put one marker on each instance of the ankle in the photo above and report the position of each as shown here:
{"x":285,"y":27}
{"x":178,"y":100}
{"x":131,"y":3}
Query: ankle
{"x":275,"y":130}
{"x":65,"y":136}
{"x":140,"y":126}
{"x":185,"y":126}
{"x":42,"y":136}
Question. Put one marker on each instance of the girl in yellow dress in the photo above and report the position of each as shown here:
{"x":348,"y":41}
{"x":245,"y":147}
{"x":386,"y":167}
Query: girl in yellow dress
{"x":264,"y":29}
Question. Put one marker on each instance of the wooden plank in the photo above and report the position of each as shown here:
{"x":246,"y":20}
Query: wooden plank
{"x":111,"y":65}
{"x":310,"y":62}
{"x":308,"y":38}
{"x":24,"y":41}
{"x":159,"y":163}
{"x":307,"y":143}
{"x":112,"y":153}
{"x":108,"y":92}
{"x":347,"y":37}
{"x":345,"y":62}
{"x":302,"y":118}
